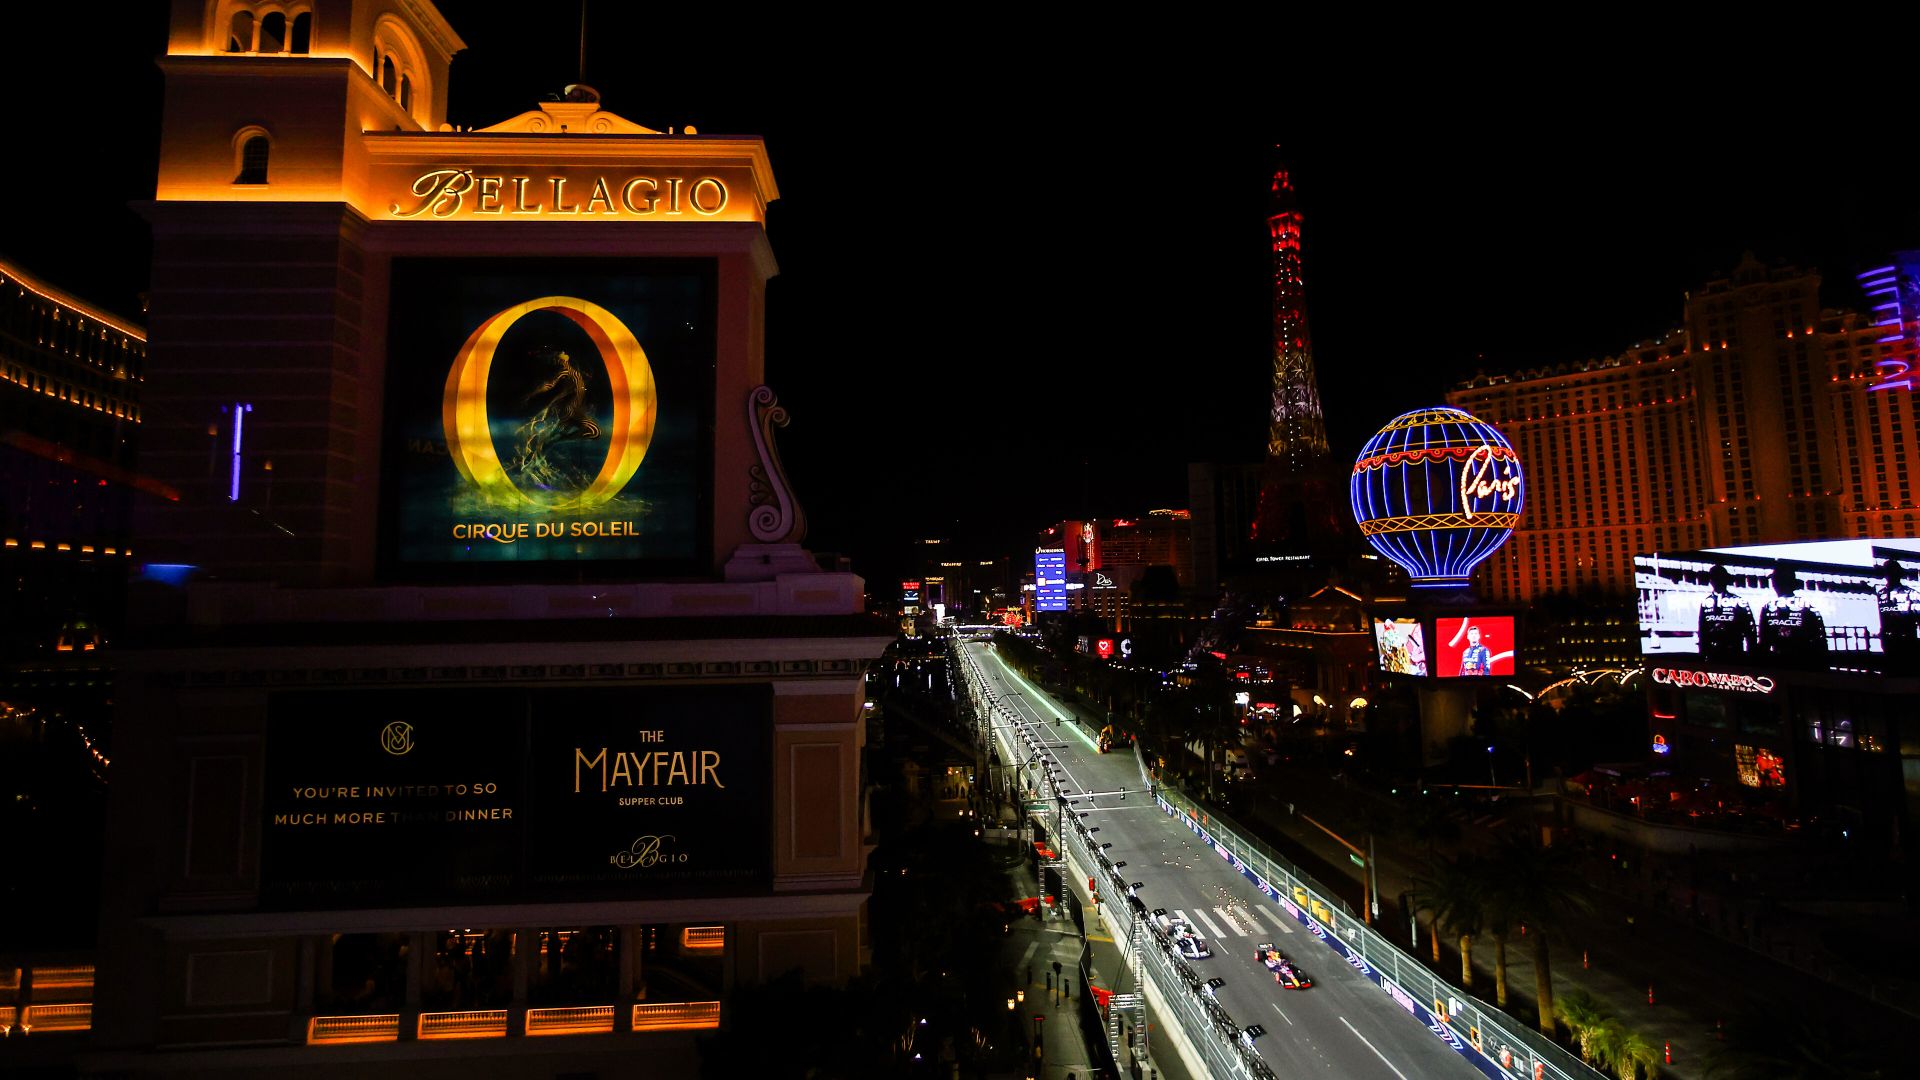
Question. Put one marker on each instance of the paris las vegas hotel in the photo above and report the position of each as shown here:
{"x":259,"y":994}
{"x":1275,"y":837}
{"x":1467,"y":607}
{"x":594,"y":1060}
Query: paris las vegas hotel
{"x":1762,"y":419}
{"x":487,"y":706}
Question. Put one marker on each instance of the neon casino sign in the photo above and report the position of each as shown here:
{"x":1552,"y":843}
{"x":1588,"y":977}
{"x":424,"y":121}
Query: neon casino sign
{"x":1893,"y":294}
{"x":1437,"y":490}
{"x":1713,"y":680}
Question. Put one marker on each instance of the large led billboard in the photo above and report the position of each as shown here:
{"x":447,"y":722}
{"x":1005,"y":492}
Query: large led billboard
{"x":1050,"y":579}
{"x":1847,"y":605}
{"x":545,"y":414}
{"x":1471,"y":647}
{"x":1402,"y":646}
{"x":394,"y":797}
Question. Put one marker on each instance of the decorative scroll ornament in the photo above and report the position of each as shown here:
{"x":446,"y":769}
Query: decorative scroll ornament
{"x":776,"y":516}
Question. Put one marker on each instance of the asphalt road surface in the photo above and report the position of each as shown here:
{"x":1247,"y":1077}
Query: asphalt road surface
{"x":1343,"y":1026}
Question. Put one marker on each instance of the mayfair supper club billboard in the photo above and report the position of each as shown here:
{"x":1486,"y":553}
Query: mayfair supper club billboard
{"x":395,"y":797}
{"x":544,"y":414}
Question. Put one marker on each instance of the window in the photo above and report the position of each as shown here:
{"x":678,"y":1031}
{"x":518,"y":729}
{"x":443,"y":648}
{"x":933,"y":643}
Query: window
{"x":406,"y":94}
{"x":253,"y":160}
{"x":387,"y":74}
{"x":273,"y":33}
{"x":302,"y":40}
{"x":240,"y":32}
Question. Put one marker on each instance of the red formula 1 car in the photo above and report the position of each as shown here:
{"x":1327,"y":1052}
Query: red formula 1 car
{"x":1285,"y":972}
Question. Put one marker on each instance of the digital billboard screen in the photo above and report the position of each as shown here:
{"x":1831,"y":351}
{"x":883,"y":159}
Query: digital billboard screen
{"x":544,"y":414}
{"x":1479,"y":646}
{"x":1844,"y":605}
{"x":1402,"y":646}
{"x":1050,"y":579}
{"x":395,"y":797}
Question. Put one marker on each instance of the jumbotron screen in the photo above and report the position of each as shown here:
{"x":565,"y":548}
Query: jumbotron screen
{"x":1402,"y":646}
{"x":543,"y":412}
{"x":1839,"y":605}
{"x":1476,"y":647}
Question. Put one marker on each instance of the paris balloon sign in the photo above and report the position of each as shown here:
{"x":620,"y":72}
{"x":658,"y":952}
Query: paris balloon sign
{"x":1437,"y":491}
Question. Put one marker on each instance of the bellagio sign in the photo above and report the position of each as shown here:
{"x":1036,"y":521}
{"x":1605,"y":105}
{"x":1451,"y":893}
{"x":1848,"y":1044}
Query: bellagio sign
{"x":455,"y":192}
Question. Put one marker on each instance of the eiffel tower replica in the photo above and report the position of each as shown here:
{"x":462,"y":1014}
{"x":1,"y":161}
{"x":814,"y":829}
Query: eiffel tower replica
{"x":1301,"y":516}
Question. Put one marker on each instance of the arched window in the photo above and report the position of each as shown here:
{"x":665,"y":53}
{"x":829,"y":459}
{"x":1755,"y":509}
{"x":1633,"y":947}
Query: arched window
{"x":273,"y":33}
{"x":406,"y":94}
{"x":253,"y":160}
{"x":387,"y":75}
{"x":302,"y":41}
{"x":240,"y":32}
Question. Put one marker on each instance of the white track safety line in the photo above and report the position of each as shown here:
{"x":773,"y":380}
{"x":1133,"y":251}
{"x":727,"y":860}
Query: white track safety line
{"x":1033,"y":721}
{"x":1208,"y":923}
{"x":1230,"y":921}
{"x":1283,"y":1015}
{"x":1277,"y":920}
{"x":1375,"y":1049}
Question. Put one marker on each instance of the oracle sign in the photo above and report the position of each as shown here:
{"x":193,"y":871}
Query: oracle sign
{"x":1713,"y":680}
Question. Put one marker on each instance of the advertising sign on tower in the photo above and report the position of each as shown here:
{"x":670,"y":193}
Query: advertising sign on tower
{"x":548,"y":412}
{"x":1050,"y":579}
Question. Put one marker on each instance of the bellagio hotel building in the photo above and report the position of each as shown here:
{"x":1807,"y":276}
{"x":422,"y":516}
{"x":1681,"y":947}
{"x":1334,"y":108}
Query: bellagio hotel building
{"x":1751,"y":423}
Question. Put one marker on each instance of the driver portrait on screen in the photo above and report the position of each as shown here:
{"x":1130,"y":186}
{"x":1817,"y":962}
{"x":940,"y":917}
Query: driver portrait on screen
{"x":1899,"y":618}
{"x":1475,"y":659}
{"x":1726,"y":620}
{"x":1792,"y":629}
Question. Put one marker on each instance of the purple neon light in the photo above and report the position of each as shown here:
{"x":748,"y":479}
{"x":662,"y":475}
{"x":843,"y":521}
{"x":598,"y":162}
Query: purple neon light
{"x":1433,"y":557}
{"x":1882,"y":286}
{"x":240,"y":410}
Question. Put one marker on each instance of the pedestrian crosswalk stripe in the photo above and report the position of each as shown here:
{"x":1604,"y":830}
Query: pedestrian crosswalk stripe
{"x":1276,"y":920}
{"x":1228,"y":919}
{"x":1204,"y":921}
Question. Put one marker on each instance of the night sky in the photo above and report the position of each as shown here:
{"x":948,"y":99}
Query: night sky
{"x":1025,"y":276}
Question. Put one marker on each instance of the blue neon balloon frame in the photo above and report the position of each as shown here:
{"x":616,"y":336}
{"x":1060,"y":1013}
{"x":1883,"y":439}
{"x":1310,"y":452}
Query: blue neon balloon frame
{"x":1408,"y":498}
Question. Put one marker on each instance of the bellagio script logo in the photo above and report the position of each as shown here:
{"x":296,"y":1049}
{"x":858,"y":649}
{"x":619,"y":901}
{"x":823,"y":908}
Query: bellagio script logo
{"x":648,"y":851}
{"x":397,"y":738}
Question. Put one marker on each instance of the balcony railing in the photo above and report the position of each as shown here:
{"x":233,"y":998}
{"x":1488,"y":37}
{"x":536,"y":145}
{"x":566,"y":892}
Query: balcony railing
{"x":335,"y":1030}
{"x":676,"y":1016}
{"x":75,"y":977}
{"x":44,"y":1019}
{"x":570,"y":1020}
{"x":473,"y":1024}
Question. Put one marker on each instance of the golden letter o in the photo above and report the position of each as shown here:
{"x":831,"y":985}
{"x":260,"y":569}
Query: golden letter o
{"x":463,"y":408}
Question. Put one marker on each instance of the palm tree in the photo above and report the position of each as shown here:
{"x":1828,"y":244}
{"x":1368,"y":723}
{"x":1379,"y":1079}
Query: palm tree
{"x":1636,"y":1052}
{"x":1453,"y":895}
{"x":1582,"y":1013}
{"x":1500,"y":912}
{"x":1538,"y":887}
{"x":1608,"y":1041}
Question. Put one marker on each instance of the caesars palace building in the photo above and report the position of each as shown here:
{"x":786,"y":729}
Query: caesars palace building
{"x":480,"y":704}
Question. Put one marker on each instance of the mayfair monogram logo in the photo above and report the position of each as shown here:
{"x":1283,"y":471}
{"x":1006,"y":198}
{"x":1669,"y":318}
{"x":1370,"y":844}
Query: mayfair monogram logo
{"x":648,"y":851}
{"x":444,"y":193}
{"x":397,"y":738}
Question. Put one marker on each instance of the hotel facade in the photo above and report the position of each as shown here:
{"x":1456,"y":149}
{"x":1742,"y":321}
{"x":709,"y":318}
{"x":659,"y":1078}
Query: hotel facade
{"x":488,"y":705}
{"x":1754,"y":422}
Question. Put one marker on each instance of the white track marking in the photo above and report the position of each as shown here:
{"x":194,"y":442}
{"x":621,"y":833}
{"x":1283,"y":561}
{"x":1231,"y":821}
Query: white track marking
{"x":1208,"y":923}
{"x":1375,"y":1049}
{"x":1228,"y":919}
{"x":1278,"y":920}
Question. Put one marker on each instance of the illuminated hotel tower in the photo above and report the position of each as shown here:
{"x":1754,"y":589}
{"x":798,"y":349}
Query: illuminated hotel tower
{"x":438,"y":753}
{"x":1297,"y":434}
